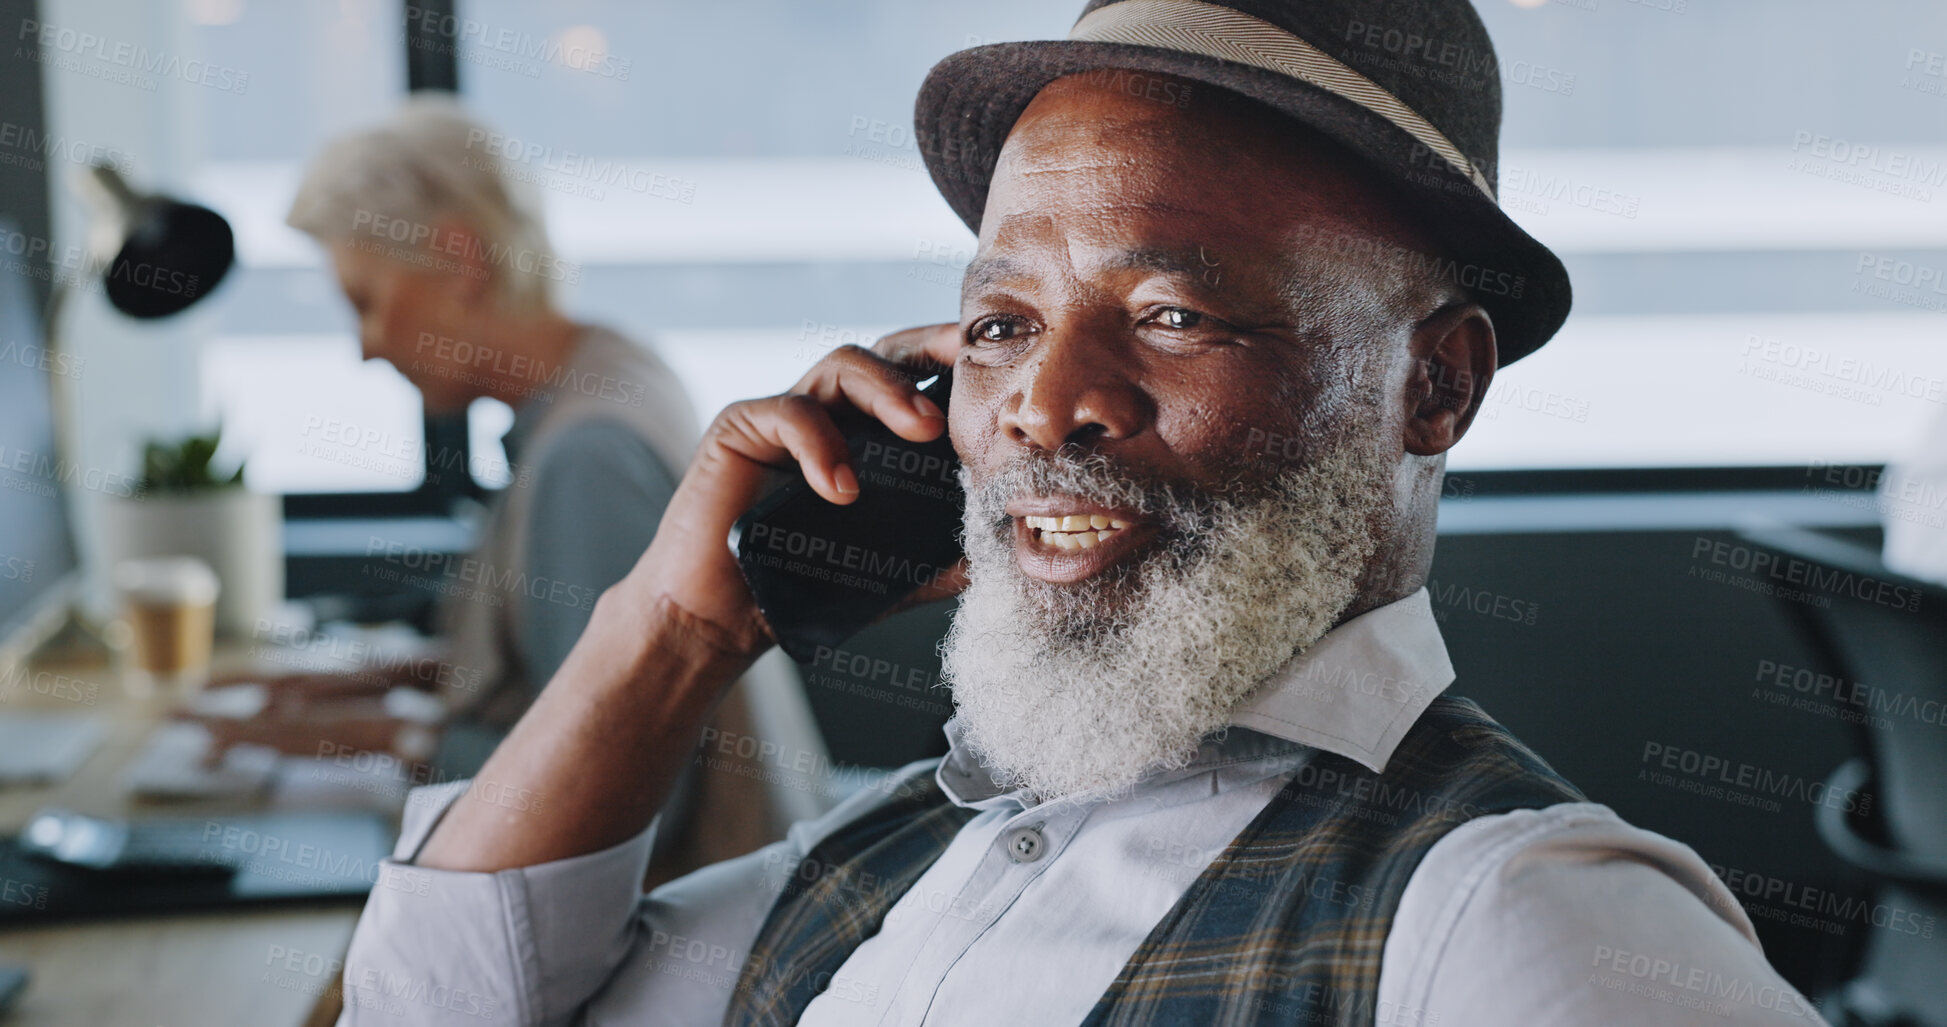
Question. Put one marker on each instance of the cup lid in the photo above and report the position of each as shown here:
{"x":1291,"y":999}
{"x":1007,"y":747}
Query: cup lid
{"x":167,"y":579}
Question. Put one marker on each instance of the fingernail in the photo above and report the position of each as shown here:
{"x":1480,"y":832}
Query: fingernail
{"x":847,"y":481}
{"x":927,"y":408}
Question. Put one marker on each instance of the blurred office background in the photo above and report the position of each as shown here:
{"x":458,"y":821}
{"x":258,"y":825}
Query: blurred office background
{"x":1750,"y":197}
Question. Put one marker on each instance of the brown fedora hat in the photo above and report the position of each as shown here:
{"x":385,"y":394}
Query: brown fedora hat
{"x":1412,"y":88}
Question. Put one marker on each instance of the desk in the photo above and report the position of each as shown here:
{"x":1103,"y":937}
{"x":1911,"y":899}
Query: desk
{"x":189,"y":970}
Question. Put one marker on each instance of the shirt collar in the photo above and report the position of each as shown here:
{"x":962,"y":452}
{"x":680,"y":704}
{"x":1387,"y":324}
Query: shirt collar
{"x":1357,"y":690}
{"x":1354,"y":692}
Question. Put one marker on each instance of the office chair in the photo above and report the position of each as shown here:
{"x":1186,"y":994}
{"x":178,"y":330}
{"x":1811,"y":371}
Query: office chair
{"x":1899,"y":650}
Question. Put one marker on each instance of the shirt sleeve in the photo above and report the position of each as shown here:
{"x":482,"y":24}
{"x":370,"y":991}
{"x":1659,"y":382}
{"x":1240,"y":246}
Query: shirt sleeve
{"x":565,"y":942}
{"x":599,"y":493}
{"x":1570,"y":915}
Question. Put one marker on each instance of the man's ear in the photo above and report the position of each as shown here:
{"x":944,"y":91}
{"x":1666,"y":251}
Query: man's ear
{"x":1454,"y":357}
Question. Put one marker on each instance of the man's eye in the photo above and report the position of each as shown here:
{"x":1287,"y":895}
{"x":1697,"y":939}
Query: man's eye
{"x":1178,"y":318}
{"x":996,"y":331}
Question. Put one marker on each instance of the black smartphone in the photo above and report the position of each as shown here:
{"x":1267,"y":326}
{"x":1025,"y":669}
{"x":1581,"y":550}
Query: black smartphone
{"x":822,"y":572}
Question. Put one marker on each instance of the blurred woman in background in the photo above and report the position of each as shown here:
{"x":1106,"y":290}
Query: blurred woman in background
{"x":445,"y":258}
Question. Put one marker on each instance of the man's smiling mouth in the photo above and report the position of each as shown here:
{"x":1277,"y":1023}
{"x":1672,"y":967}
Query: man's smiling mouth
{"x":1062,"y":540}
{"x":1075,"y":531}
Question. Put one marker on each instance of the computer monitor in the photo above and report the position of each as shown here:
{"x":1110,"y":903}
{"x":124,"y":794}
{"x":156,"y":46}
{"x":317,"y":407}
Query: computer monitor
{"x":37,"y":557}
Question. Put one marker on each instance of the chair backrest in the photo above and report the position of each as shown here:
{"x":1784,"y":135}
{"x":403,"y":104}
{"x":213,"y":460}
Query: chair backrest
{"x":1884,"y":635}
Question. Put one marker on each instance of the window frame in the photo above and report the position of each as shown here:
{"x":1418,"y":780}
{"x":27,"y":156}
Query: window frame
{"x":429,"y":66}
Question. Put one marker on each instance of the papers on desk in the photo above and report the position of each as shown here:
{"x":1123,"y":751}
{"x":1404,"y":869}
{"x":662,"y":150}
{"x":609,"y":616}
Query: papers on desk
{"x":45,"y":748}
{"x":174,"y":762}
{"x":173,"y":765}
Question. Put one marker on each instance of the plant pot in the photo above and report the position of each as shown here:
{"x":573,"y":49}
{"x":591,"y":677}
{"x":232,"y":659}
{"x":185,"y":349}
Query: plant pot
{"x":239,"y":533}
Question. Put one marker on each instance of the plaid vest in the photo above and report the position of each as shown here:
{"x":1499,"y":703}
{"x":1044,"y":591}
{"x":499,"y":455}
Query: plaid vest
{"x":1286,"y":925}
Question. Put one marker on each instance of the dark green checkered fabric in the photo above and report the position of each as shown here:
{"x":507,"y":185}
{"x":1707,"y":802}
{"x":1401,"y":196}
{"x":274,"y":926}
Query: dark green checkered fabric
{"x":1286,"y":926}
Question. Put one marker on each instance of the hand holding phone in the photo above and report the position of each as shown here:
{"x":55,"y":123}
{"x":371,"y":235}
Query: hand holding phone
{"x":821,"y":572}
{"x":609,"y":736}
{"x":801,"y":434}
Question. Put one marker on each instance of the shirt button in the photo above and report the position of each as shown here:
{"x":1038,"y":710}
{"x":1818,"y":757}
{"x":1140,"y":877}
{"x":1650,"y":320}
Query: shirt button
{"x":1025,"y":845}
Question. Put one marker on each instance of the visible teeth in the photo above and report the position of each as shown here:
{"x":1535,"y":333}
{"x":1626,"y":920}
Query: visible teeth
{"x":1075,"y":531}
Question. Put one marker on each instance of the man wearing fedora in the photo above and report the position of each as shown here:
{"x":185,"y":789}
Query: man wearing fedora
{"x":1241,"y":283}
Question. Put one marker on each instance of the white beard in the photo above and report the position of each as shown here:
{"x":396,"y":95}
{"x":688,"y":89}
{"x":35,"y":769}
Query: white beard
{"x":1079,"y":691}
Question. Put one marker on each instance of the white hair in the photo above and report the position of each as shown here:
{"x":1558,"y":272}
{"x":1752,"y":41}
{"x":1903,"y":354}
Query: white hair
{"x":1079,"y":691}
{"x":428,"y":165}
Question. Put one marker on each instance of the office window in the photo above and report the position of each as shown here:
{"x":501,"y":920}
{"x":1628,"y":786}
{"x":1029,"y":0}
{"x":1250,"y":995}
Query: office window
{"x":283,"y":367}
{"x":746,"y":207}
{"x":1708,"y":329}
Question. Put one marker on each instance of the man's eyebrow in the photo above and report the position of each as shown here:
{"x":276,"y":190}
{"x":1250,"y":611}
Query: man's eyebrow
{"x":988,"y":272}
{"x":1180,"y":261}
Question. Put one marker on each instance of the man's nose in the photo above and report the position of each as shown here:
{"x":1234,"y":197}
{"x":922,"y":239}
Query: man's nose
{"x":1078,"y":388}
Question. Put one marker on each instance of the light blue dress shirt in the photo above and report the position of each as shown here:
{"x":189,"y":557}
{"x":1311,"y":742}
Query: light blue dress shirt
{"x":1565,"y":915}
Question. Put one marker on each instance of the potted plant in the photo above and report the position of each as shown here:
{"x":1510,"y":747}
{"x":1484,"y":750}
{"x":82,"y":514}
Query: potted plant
{"x":185,"y":505}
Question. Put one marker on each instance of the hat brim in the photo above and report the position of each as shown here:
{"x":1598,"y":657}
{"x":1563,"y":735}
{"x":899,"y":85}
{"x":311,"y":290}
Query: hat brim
{"x":971,"y":100}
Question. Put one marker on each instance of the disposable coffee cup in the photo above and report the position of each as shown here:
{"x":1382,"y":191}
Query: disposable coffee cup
{"x":169,"y":605}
